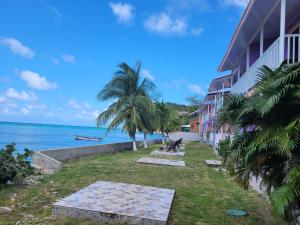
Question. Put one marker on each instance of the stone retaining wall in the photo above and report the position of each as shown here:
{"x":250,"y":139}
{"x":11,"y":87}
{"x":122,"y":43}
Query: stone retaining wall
{"x":51,"y":160}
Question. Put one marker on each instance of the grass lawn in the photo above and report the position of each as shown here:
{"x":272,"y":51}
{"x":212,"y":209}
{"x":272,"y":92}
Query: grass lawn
{"x":202,"y":194}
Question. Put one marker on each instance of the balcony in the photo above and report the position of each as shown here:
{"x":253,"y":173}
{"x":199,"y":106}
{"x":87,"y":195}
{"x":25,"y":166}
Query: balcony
{"x":269,"y":58}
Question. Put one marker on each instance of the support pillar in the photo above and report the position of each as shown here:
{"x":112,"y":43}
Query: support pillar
{"x":282,"y":30}
{"x":261,"y":41}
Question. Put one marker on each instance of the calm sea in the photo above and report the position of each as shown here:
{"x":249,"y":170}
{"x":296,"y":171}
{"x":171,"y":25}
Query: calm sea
{"x":44,"y":137}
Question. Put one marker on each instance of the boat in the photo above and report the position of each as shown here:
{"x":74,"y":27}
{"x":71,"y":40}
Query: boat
{"x":84,"y":138}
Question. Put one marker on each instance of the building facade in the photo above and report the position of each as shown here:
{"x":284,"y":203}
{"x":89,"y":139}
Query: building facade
{"x":205,"y":117}
{"x":268,"y":34}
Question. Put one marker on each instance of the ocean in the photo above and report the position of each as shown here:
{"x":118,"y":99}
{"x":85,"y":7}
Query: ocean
{"x":39,"y":137}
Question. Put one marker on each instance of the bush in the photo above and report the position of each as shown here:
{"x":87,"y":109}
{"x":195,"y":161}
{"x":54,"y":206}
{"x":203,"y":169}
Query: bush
{"x":14,"y":165}
{"x":224,"y":148}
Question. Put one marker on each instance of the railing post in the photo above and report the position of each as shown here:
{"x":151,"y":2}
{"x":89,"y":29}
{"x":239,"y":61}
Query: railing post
{"x":261,"y":42}
{"x":282,"y":31}
{"x":248,"y":58}
{"x":299,"y":45}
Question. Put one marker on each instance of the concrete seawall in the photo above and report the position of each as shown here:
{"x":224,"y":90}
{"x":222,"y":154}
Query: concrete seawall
{"x":52,"y":160}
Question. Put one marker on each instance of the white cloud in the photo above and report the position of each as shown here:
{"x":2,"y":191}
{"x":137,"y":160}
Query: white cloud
{"x":87,"y":114}
{"x":147,"y":74}
{"x":187,"y":6}
{"x":36,"y":106}
{"x":74,"y":104}
{"x":162,"y":23}
{"x":123,"y":11}
{"x":17,"y":47}
{"x":50,"y":114}
{"x":175,"y":83}
{"x":55,"y":61}
{"x":2,"y":99}
{"x":68,"y":58}
{"x":22,"y":95}
{"x":5,"y":79}
{"x":237,"y":3}
{"x":36,"y":81}
{"x":197,"y":31}
{"x":52,"y":9}
{"x":195,"y":88}
{"x":83,"y":110}
{"x":25,"y":111}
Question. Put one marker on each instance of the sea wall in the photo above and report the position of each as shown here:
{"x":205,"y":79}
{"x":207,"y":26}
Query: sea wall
{"x":52,"y":160}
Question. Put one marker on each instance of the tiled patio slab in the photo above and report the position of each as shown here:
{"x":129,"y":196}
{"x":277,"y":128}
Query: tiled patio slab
{"x":111,"y":202}
{"x":157,"y":152}
{"x":214,"y":163}
{"x":158,"y":161}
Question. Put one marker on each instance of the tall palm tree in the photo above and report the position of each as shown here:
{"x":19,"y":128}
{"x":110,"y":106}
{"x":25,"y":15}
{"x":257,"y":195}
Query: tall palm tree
{"x":132,"y":97}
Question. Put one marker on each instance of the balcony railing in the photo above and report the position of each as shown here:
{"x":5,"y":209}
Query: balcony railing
{"x":269,"y":58}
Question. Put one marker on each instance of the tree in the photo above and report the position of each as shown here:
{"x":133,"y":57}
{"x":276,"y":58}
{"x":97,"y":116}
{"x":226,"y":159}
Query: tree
{"x":267,"y":136}
{"x":150,"y":124}
{"x":132,"y":97}
{"x":168,"y":119}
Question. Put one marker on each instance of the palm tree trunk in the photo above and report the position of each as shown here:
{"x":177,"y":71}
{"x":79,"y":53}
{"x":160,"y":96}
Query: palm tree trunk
{"x":134,"y":148}
{"x":162,"y":137}
{"x":145,"y":140}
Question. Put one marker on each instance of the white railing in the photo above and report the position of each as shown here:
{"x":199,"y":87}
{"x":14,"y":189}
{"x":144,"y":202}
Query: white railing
{"x":270,"y":58}
{"x":292,"y":52}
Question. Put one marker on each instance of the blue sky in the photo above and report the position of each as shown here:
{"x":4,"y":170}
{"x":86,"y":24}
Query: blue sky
{"x":55,"y":55}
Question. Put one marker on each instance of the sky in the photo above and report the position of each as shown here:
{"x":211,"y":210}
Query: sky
{"x":56,"y":55}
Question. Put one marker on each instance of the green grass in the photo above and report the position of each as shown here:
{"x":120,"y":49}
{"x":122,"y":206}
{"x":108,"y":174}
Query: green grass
{"x":202,"y":194}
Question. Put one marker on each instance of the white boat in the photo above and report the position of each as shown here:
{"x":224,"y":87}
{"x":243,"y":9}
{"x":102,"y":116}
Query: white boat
{"x":84,"y":138}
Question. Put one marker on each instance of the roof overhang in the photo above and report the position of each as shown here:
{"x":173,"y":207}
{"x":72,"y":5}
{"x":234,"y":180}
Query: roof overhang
{"x":257,"y":14}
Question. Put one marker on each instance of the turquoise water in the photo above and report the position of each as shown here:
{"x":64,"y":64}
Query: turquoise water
{"x":39,"y":137}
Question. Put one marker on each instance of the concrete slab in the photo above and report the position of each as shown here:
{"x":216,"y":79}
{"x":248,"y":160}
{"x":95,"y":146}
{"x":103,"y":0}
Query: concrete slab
{"x":157,"y":152}
{"x":110,"y":202}
{"x":163,"y":162}
{"x":213,"y":163}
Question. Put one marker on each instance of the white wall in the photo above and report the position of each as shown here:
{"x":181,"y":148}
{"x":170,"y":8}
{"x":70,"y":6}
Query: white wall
{"x":186,"y":136}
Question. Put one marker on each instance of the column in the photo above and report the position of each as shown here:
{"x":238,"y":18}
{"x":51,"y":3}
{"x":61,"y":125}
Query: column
{"x":248,"y":57}
{"x":282,"y":30}
{"x":261,"y":41}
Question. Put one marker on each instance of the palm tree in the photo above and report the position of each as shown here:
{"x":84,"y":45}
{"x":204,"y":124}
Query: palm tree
{"x":267,"y":139}
{"x":168,"y":119}
{"x":163,"y":113}
{"x":150,"y":124}
{"x":132,"y":95}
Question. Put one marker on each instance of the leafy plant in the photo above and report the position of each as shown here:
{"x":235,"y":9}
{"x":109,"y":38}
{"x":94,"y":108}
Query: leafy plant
{"x":267,"y":136}
{"x":224,"y":147}
{"x":14,"y":165}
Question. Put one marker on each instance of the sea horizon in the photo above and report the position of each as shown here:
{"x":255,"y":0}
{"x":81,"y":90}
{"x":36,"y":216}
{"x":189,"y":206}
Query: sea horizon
{"x":52,"y":124}
{"x":41,"y":137}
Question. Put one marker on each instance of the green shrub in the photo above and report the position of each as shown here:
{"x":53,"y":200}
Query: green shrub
{"x":224,"y":148}
{"x":14,"y":165}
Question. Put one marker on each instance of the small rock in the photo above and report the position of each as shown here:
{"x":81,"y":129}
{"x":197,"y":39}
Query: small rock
{"x":19,"y":222}
{"x":5,"y":209}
